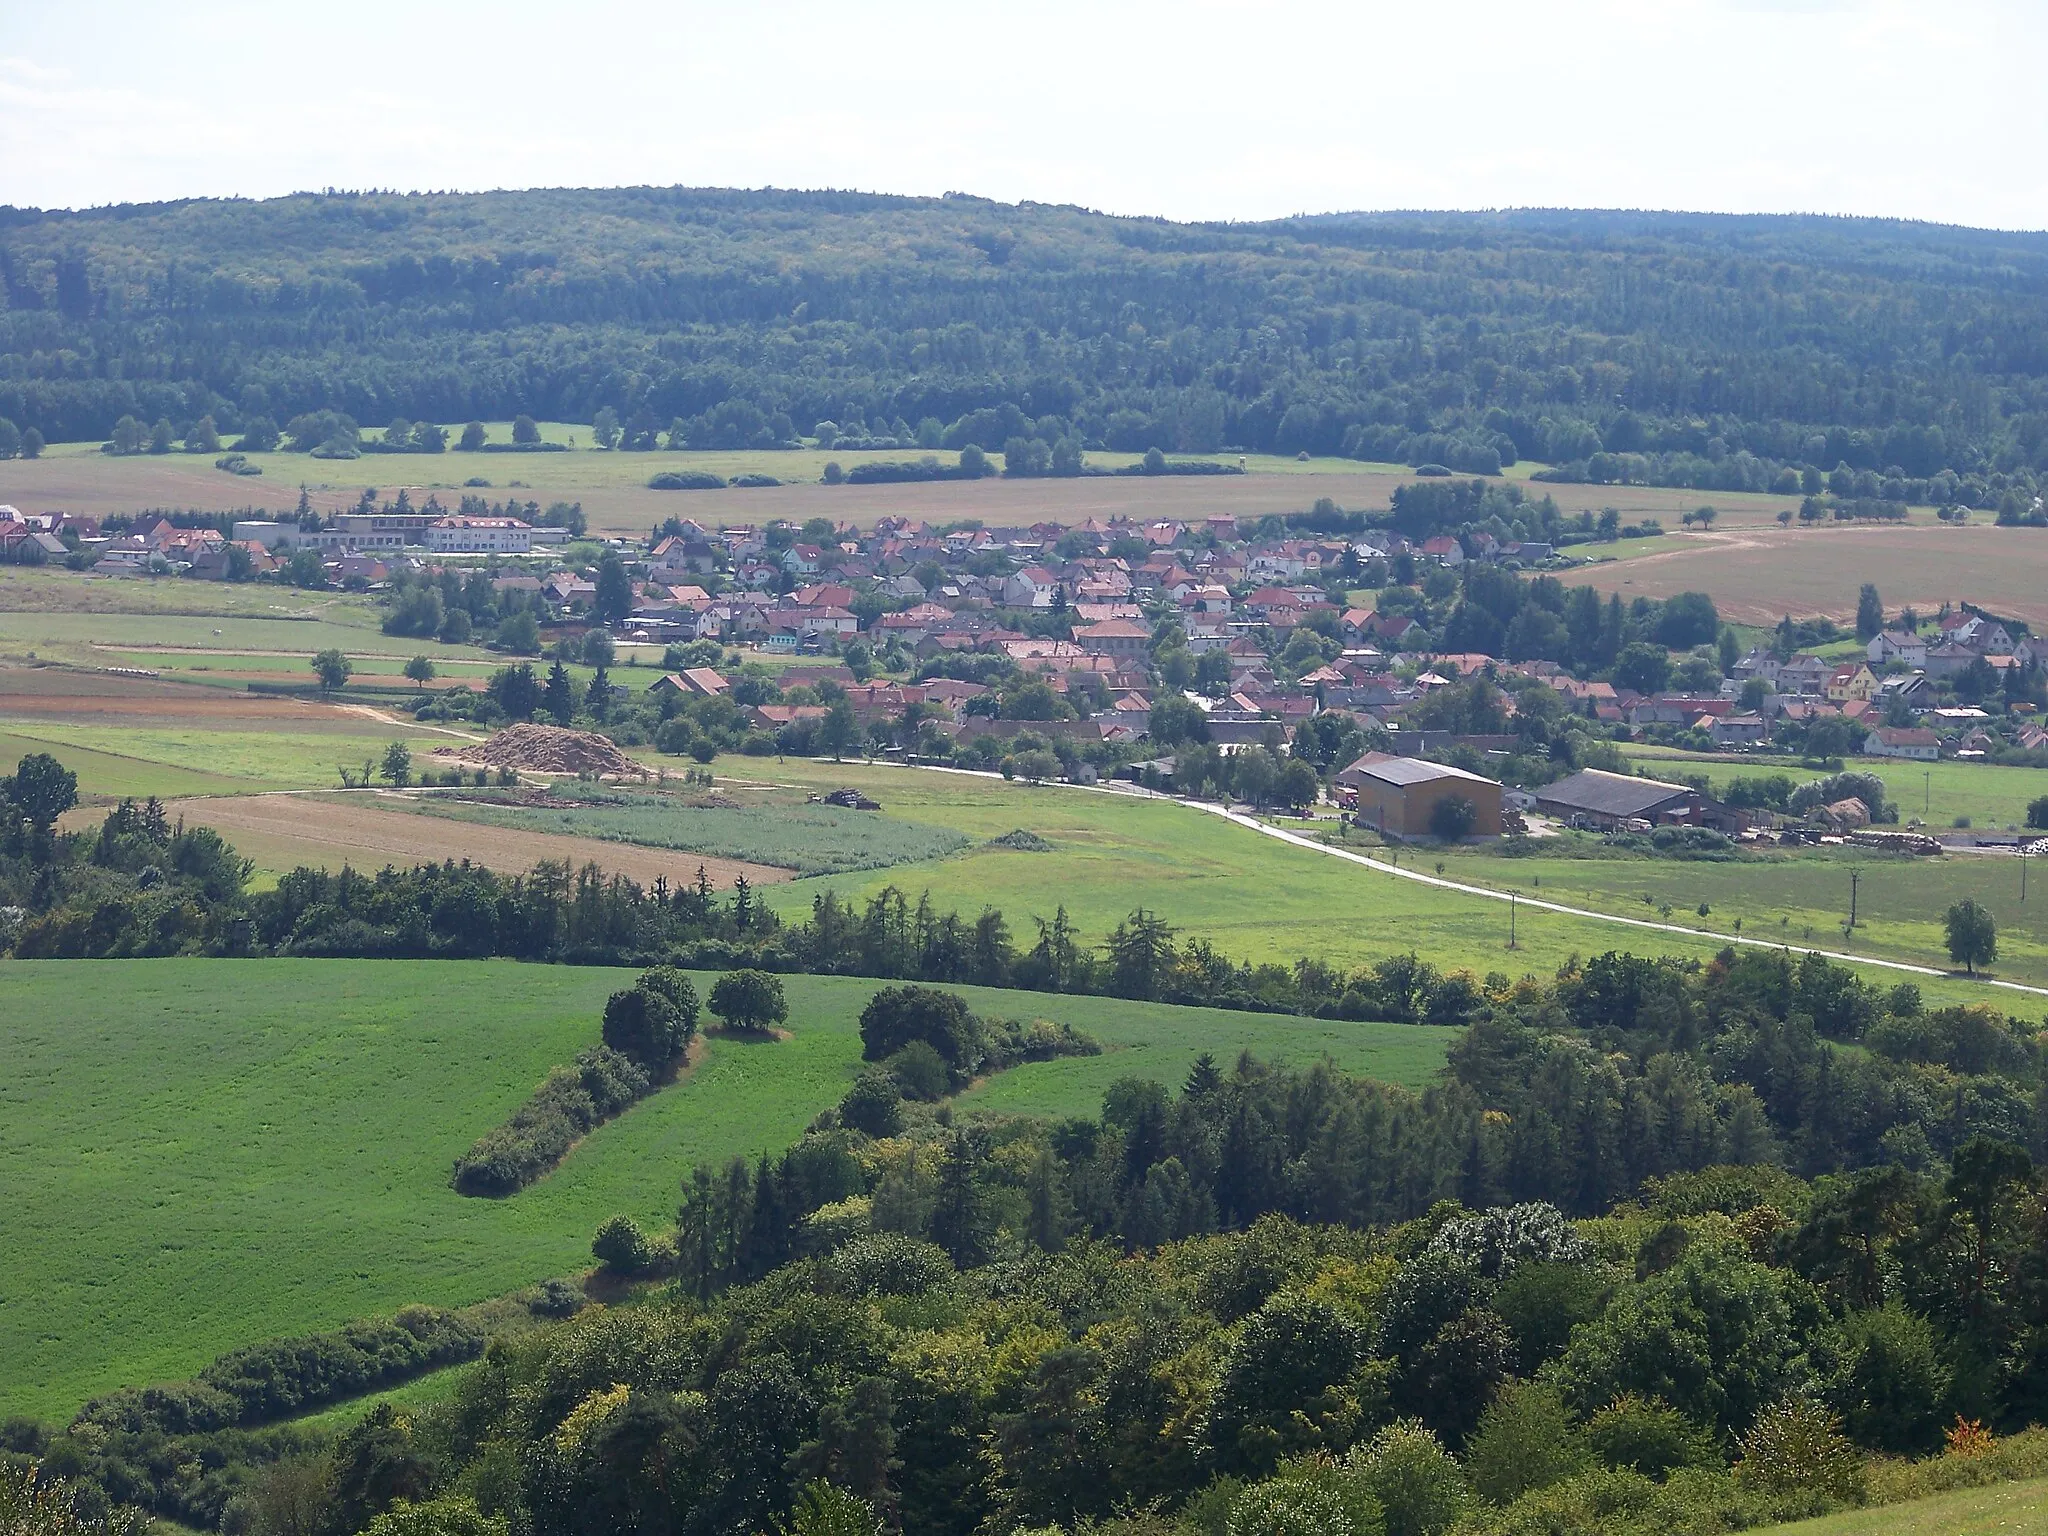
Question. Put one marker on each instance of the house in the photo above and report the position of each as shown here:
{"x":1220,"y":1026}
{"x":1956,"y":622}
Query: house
{"x":1399,"y":796}
{"x":803,"y":559}
{"x":1948,"y":658}
{"x":1804,"y":674}
{"x":1896,"y":645}
{"x":691,"y":683}
{"x":774,"y":717}
{"x":1736,"y":730}
{"x":1032,"y":587}
{"x":1116,"y":637}
{"x":1852,"y":680}
{"x":1915,"y":742}
{"x":1593,"y":797}
{"x":1444,"y":550}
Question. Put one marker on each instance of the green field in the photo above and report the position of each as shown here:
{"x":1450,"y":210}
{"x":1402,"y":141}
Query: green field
{"x":162,"y":758}
{"x":203,"y":1153}
{"x":815,"y":839}
{"x":2002,"y":1509}
{"x":112,"y":773}
{"x":1993,"y":797}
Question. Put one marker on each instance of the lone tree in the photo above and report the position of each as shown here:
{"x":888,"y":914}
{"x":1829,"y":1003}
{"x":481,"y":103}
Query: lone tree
{"x":643,"y":1024}
{"x":42,"y":788}
{"x":1972,"y":935}
{"x":420,"y":670}
{"x":398,"y":764}
{"x":899,"y":1016}
{"x":332,"y":668}
{"x":1869,"y":613}
{"x":749,"y":999}
{"x":613,"y":599}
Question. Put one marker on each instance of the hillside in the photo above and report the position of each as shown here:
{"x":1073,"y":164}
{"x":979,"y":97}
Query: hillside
{"x":1703,"y":351}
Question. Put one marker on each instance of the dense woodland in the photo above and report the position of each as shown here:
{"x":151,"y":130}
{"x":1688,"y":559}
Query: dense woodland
{"x":1706,"y":351}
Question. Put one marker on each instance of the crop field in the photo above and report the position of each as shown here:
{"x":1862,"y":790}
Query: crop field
{"x":1759,"y":575}
{"x":280,"y":832}
{"x":810,"y":839}
{"x":203,"y":1153}
{"x":161,"y":756}
{"x":612,"y":486}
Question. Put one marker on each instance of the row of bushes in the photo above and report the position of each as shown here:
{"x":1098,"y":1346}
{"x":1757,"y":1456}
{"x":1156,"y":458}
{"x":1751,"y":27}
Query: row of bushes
{"x":286,"y":1377}
{"x":647,"y":1029}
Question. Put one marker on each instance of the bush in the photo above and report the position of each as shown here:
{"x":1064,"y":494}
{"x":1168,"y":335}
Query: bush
{"x":645,"y":1025}
{"x":873,"y":1105}
{"x":557,"y":1298}
{"x":1637,"y":1434}
{"x":1420,"y":1488}
{"x":920,"y":1072}
{"x":686,"y":480}
{"x":1798,"y":1447}
{"x":1525,"y":1439}
{"x":897,"y":1016}
{"x":621,"y":1247}
{"x":1296,"y":1507}
{"x":749,"y":999}
{"x":568,"y":1103}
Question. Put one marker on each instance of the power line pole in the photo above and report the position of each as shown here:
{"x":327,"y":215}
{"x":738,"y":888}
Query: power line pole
{"x":1511,"y":919}
{"x":1854,"y":876}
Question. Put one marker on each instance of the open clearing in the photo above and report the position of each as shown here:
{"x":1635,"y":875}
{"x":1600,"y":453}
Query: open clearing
{"x":1759,"y":575}
{"x":612,"y":486}
{"x":203,"y":1153}
{"x":369,"y":831}
{"x":2001,"y":1509}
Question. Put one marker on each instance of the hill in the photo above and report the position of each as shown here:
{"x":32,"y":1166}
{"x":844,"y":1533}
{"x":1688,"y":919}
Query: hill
{"x":199,"y":1156}
{"x":1692,"y":350}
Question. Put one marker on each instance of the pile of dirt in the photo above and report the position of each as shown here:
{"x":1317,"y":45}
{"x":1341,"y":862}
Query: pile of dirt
{"x":550,"y":749}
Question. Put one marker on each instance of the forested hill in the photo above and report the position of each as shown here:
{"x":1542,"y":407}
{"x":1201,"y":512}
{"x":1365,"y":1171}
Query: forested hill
{"x":1713,"y":349}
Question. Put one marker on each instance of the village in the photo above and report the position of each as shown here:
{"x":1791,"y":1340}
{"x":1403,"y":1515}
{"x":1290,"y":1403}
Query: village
{"x":1152,"y":638}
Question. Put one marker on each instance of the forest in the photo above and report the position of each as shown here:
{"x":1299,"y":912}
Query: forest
{"x":1715,"y":352}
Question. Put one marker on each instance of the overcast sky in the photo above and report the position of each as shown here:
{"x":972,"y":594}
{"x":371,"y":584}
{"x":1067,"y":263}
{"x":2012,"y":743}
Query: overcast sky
{"x":1928,"y":109}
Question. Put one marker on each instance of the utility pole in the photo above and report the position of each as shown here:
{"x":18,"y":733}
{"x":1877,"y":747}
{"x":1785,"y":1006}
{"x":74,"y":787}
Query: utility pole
{"x":2023,"y":872}
{"x":1926,"y":789}
{"x":1854,"y":876}
{"x":1511,"y":919}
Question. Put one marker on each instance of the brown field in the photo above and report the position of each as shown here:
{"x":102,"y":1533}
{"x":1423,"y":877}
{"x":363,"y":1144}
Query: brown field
{"x":613,"y":492}
{"x":1757,"y":576}
{"x":282,"y":831}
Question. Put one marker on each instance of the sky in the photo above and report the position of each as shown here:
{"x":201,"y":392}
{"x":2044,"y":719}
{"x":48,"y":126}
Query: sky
{"x":1199,"y":109}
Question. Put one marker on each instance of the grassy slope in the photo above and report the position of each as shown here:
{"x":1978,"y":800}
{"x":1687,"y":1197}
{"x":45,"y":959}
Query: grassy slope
{"x":200,"y":1153}
{"x":2004,"y":1509}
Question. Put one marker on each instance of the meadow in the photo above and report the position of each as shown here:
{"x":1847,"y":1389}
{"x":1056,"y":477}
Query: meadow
{"x":2002,"y":1509}
{"x":1991,"y":796}
{"x":811,"y":839}
{"x":203,"y":1153}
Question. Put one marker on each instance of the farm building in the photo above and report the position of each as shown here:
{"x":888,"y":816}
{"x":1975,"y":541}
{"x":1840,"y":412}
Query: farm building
{"x":1594,"y":798}
{"x":1399,"y":796}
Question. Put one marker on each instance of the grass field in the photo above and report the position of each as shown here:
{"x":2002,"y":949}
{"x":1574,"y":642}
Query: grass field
{"x":612,"y":486}
{"x":2002,"y":1509}
{"x":202,"y":1153}
{"x":812,"y":839}
{"x":1993,"y":797}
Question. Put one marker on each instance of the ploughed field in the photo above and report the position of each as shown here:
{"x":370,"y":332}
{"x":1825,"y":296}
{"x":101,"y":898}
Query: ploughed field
{"x":200,"y":1154}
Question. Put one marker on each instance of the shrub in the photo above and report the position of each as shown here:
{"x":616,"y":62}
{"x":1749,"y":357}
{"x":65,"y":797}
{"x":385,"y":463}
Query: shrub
{"x":568,"y":1103}
{"x":873,"y":1105}
{"x":1643,"y":1435}
{"x":621,"y":1247}
{"x":920,"y":1072}
{"x":1525,"y":1439}
{"x":897,"y":1016}
{"x":686,"y":480}
{"x":749,"y":999}
{"x":1798,"y":1446}
{"x":1421,"y":1490}
{"x":1497,"y":1241}
{"x":1295,"y":1507}
{"x":557,"y":1298}
{"x":645,"y":1025}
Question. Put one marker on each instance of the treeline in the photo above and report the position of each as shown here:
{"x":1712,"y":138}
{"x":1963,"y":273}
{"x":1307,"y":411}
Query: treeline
{"x":1717,"y":353}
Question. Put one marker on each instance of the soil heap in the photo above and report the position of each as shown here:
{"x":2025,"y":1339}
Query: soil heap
{"x":550,"y":749}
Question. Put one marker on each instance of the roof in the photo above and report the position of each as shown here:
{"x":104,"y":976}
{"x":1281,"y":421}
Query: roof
{"x":1404,"y":771}
{"x":1609,"y":794}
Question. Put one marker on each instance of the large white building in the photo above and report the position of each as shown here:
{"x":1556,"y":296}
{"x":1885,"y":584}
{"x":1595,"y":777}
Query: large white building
{"x":478,"y":536}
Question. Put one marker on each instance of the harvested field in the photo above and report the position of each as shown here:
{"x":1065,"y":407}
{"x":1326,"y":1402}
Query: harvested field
{"x":282,"y":831}
{"x":549,"y":749}
{"x":1757,"y":575}
{"x":613,"y":491}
